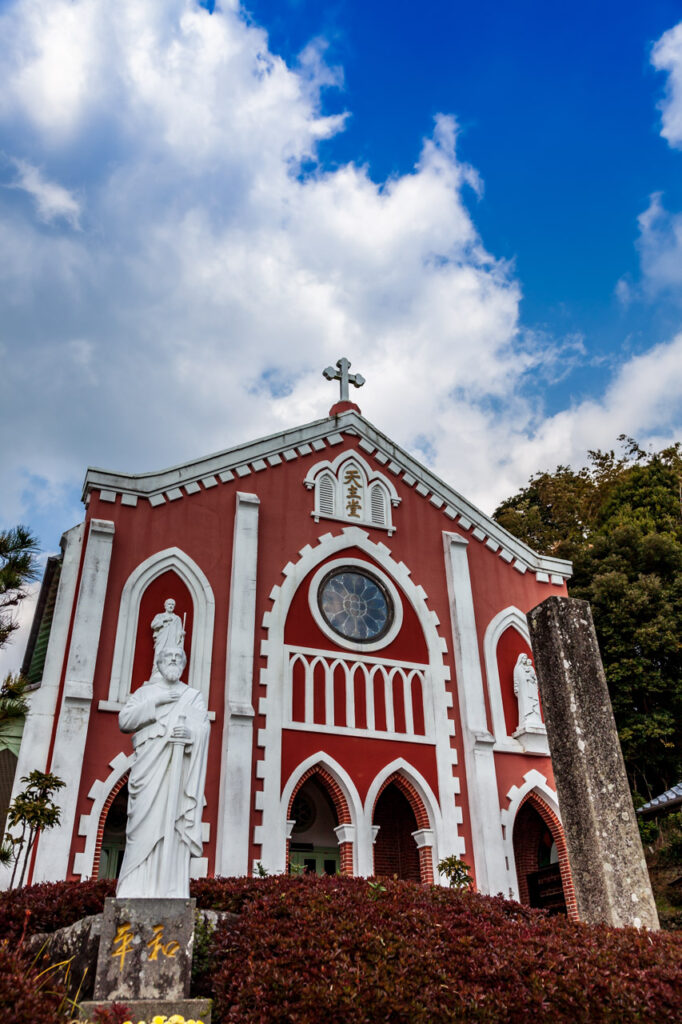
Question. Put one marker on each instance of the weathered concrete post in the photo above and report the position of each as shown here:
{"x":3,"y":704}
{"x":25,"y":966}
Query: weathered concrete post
{"x":604,"y":849}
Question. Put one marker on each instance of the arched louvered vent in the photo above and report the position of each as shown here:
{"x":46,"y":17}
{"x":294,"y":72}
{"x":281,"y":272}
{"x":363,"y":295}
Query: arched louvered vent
{"x":326,"y":496}
{"x":378,"y":505}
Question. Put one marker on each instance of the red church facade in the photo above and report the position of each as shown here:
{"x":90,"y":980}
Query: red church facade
{"x":353,"y":624}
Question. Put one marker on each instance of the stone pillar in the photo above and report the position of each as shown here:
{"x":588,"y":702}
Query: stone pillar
{"x":605,"y":852}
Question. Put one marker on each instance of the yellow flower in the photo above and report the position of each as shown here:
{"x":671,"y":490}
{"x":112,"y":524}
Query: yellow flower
{"x":158,"y":1019}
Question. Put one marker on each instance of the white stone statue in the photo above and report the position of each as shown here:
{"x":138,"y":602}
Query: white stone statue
{"x":168,"y":631}
{"x":526,"y":692}
{"x":169,"y":722}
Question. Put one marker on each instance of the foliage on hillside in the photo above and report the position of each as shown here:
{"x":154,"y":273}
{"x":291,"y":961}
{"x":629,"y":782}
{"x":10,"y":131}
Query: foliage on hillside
{"x":306,"y":949}
{"x":619,"y":520}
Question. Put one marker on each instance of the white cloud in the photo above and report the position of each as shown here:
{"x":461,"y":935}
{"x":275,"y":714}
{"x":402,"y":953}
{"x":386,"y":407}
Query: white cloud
{"x":216,"y":273}
{"x":52,"y":201}
{"x":666,"y":55}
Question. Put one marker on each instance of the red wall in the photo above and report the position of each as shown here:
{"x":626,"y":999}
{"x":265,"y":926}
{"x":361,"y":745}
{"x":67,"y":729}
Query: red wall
{"x":202,"y":525}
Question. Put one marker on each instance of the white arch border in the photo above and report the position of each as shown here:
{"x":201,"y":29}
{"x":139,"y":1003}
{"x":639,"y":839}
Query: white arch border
{"x":533,"y":782}
{"x":345,"y":784}
{"x":199,"y":675}
{"x":515,"y":618}
{"x":88,"y":825}
{"x":268,"y":835}
{"x":428,"y":798}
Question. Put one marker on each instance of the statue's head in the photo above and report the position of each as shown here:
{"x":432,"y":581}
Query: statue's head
{"x":171,"y":663}
{"x":523,"y":659}
{"x":169,"y":604}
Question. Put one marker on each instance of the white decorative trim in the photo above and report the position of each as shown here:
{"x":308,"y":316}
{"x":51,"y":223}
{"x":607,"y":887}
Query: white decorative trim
{"x":478,"y":742}
{"x":533,"y":782}
{"x":270,"y":834}
{"x":199,"y":671}
{"x":423,"y":837}
{"x":232,"y":846}
{"x":332,"y":471}
{"x":347,"y":787}
{"x":52,"y":858}
{"x":514,"y":618}
{"x":324,"y":626}
{"x":38,"y":726}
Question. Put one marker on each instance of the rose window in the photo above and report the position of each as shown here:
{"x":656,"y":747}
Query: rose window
{"x":355,"y":604}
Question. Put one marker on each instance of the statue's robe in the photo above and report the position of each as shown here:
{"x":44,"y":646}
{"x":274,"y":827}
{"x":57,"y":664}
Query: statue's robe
{"x":151,"y":804}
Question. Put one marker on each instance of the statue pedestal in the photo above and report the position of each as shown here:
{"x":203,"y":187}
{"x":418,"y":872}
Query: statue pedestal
{"x":533,"y":739}
{"x":145,"y":959}
{"x":145,"y":950}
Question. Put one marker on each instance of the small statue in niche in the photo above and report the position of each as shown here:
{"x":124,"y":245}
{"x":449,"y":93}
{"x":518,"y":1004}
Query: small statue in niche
{"x":168,"y":631}
{"x":170,"y":724}
{"x":526,"y":692}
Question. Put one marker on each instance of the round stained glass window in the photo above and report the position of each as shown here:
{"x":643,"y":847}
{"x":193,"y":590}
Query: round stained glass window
{"x":355,"y":605}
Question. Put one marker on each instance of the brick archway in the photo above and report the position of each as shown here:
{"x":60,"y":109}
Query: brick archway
{"x":405,"y":787}
{"x":338,"y":798}
{"x":554,"y":825}
{"x":116,"y":789}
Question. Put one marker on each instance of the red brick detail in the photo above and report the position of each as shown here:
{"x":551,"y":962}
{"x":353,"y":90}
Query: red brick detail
{"x":340,"y":806}
{"x":426,"y":864}
{"x":421,"y":817}
{"x":524,"y":857}
{"x":103,"y":820}
{"x":413,"y":798}
{"x":346,"y":854}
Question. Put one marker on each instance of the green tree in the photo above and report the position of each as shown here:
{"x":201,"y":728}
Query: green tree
{"x":31,"y":811}
{"x":619,"y":520}
{"x":18,"y":567}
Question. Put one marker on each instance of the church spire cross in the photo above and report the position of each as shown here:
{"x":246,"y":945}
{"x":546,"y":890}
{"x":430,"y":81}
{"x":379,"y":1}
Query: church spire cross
{"x":344,"y":377}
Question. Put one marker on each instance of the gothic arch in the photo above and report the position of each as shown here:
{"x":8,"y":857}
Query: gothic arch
{"x":199,"y":675}
{"x":535,"y":790}
{"x":344,"y":796}
{"x":270,"y":834}
{"x":423,"y":804}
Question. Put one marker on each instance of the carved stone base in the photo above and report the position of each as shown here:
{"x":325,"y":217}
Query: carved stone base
{"x":533,"y":739}
{"x":146,"y":1009}
{"x":145,"y":950}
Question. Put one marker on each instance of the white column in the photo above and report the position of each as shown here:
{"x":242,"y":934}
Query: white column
{"x":232,"y":846}
{"x":35,"y":742}
{"x":483,"y":799}
{"x":52,"y":860}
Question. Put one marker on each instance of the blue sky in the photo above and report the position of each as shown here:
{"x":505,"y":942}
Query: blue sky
{"x":480,"y":205}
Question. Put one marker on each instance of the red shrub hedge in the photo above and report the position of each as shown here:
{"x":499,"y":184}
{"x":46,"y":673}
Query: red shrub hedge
{"x":308,"y":949}
{"x":26,"y":995}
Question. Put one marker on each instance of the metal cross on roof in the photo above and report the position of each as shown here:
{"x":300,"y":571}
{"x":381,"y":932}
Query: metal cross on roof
{"x":344,"y":377}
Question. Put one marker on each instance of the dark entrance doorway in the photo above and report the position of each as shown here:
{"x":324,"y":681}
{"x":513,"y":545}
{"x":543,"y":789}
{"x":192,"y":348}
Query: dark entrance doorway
{"x":314,"y":847}
{"x":395,"y":851}
{"x":537,"y":862}
{"x":114,"y":836}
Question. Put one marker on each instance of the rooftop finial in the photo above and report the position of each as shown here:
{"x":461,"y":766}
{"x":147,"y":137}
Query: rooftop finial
{"x":344,"y":378}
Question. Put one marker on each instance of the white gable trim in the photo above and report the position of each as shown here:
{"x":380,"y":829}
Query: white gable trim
{"x":270,"y":452}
